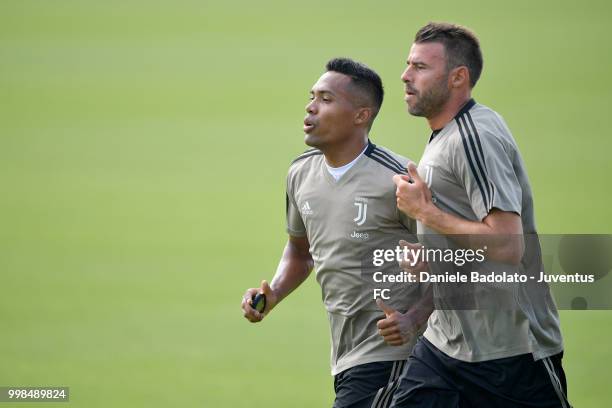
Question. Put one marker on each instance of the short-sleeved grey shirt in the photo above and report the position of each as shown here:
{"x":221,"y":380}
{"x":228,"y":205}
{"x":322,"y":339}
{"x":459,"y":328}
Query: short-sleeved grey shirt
{"x":343,"y":220}
{"x":473,"y":165}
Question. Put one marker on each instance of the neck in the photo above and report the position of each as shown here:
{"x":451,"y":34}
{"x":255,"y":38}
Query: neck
{"x":338,"y":156}
{"x":452,"y":106}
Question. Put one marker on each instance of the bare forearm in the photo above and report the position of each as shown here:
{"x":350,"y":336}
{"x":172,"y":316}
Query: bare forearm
{"x":448,"y":224}
{"x":501,"y":232}
{"x":293,"y":269}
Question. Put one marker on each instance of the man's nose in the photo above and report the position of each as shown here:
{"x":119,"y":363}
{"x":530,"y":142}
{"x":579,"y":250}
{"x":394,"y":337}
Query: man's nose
{"x":406,"y":75}
{"x":311,"y":107}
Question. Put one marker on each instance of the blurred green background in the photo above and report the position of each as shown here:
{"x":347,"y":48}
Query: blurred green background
{"x":143,"y":153}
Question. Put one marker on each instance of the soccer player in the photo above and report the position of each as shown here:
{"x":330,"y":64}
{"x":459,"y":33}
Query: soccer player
{"x":340,"y":205}
{"x":471,"y":181}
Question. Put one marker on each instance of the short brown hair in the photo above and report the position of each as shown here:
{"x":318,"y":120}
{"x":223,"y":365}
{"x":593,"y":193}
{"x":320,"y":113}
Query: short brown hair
{"x":460,"y":43}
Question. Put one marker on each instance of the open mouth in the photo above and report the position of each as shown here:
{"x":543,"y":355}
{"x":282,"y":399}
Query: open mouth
{"x":308,"y":126}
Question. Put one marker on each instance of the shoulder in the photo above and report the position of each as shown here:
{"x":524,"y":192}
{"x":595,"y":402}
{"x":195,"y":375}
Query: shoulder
{"x":302,"y":163}
{"x":307,"y":158}
{"x":386,"y":159}
{"x":482,"y":127}
{"x":312,"y":152}
{"x":483,"y":116}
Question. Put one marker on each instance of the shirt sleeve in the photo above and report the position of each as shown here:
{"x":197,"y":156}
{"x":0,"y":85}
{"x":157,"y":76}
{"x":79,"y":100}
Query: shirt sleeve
{"x":295,"y":224}
{"x":484,"y":162}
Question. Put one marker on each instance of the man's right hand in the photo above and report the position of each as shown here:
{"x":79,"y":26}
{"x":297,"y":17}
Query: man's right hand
{"x":250,"y":313}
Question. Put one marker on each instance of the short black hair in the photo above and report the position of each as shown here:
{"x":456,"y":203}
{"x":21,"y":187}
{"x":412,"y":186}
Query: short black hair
{"x":362,"y":77}
{"x":460,"y":43}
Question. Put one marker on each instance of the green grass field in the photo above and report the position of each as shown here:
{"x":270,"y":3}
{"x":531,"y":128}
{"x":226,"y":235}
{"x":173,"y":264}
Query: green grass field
{"x":143,"y":151}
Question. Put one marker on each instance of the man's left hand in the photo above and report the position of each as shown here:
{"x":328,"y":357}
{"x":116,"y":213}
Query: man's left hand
{"x":413,"y":195}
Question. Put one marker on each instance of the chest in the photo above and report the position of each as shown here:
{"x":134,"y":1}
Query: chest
{"x":346,"y":211}
{"x":437,"y":170}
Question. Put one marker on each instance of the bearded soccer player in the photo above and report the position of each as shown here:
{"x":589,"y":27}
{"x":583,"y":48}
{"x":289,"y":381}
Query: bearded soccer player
{"x":340,"y":204}
{"x":471,"y":181}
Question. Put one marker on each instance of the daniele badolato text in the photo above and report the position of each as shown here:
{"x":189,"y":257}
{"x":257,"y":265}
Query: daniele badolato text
{"x":463,"y":259}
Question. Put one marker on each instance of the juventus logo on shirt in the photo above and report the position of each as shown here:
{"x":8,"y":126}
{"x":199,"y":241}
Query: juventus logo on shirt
{"x":428,"y":174}
{"x":362,"y":211}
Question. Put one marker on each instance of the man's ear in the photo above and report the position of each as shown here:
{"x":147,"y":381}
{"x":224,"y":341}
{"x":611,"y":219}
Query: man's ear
{"x":363,"y":116}
{"x":459,"y":76}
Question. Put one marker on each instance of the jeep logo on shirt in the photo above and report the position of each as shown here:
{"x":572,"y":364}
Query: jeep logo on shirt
{"x":360,"y":235}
